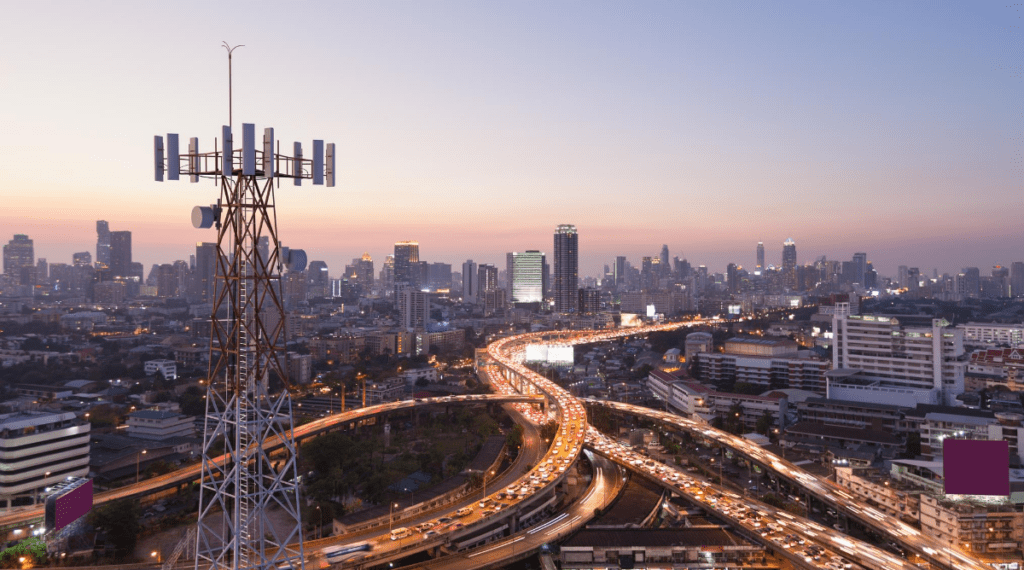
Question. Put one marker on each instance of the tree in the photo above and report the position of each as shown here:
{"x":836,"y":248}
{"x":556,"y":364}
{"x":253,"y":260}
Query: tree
{"x":764,"y":423}
{"x":913,"y":448}
{"x":514,"y":440}
{"x":120,"y":520}
{"x":548,"y":431}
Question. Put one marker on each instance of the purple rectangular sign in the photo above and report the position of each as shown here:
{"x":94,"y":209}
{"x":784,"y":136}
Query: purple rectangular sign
{"x":976,"y":467}
{"x":71,"y":506}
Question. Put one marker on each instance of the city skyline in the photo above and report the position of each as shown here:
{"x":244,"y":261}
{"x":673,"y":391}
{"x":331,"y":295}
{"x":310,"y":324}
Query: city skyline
{"x":704,"y":127}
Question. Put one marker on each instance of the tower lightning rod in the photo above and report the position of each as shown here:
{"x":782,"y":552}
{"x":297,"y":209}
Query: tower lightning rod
{"x":230,"y":49}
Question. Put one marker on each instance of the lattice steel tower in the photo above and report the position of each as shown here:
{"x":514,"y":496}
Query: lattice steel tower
{"x":241,"y":482}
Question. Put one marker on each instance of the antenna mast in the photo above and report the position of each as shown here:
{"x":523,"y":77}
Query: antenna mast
{"x":230,"y":49}
{"x":243,"y":276}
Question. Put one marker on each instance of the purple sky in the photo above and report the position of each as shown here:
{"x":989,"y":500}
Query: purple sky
{"x":892,"y":128}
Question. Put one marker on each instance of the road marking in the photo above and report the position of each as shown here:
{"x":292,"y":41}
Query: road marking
{"x":492,"y":549}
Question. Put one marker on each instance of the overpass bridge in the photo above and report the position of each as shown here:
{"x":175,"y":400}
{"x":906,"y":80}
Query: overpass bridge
{"x":28,"y":515}
{"x":726,"y":504}
{"x":939,"y":554}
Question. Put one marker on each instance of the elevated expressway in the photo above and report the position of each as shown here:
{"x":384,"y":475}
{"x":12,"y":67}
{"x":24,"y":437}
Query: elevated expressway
{"x":25,"y":515}
{"x":733,"y":508}
{"x":936,"y":552}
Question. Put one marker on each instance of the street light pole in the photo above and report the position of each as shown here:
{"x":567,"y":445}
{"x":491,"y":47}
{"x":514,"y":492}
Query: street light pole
{"x":138,"y":458}
{"x":319,"y":521}
{"x":391,"y":517}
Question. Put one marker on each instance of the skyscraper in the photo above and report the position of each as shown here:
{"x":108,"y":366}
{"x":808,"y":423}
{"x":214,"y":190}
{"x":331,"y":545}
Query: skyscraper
{"x":526,"y":275}
{"x":81,"y":259}
{"x":663,"y":270}
{"x":1017,"y":279}
{"x":566,"y":279}
{"x":364,"y":270}
{"x":487,"y":278}
{"x":102,"y":243}
{"x":206,"y":272}
{"x":318,"y":282}
{"x":120,"y":254}
{"x":789,"y":263}
{"x":620,"y":272}
{"x":407,"y":265}
{"x":732,"y":278}
{"x":860,"y":265}
{"x":414,"y":307}
{"x":470,"y":285}
{"x":18,"y":253}
{"x":760,"y":256}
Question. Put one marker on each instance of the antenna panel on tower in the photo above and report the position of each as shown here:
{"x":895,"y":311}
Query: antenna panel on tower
{"x":158,"y":157}
{"x":268,"y":152}
{"x":298,"y":164}
{"x":227,"y":168}
{"x":248,"y":149}
{"x":330,"y":165}
{"x":193,"y":159}
{"x":318,"y":162}
{"x":173,"y":158}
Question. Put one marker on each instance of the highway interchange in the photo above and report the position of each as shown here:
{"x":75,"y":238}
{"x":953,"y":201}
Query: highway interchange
{"x":439,"y":530}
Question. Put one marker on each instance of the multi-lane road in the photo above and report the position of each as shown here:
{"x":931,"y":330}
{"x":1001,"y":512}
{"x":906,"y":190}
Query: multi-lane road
{"x":819,"y":487}
{"x":25,"y":515}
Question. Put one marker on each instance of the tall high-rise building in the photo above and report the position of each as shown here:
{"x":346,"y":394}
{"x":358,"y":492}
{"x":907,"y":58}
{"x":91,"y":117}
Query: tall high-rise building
{"x":526,"y":276}
{"x":860,"y":266}
{"x":439,"y":275}
{"x":487,"y":278}
{"x":120,"y":254}
{"x":206,"y":272}
{"x":18,"y":254}
{"x":1000,"y":280}
{"x":732,"y":278}
{"x":972,"y":282}
{"x":1017,"y":279}
{"x":364,"y":270}
{"x":470,"y":285}
{"x":102,"y":243}
{"x":902,"y":276}
{"x":387,"y":274}
{"x":407,"y":265}
{"x":760,"y":256}
{"x":620,"y":272}
{"x":81,"y":259}
{"x":589,"y":302}
{"x":663,"y":270}
{"x":414,"y":308}
{"x":789,"y":263}
{"x":318,"y":282}
{"x":166,"y":281}
{"x":43,"y":271}
{"x":566,"y":282}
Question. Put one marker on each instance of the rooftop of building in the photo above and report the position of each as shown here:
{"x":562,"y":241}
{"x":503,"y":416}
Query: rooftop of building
{"x":667,"y":377}
{"x":843,"y":432}
{"x":20,"y":420}
{"x":763,"y":341}
{"x":820,"y":401}
{"x":154,"y":415}
{"x":922,"y":411}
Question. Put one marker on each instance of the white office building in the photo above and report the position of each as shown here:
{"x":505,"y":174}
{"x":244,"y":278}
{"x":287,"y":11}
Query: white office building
{"x":167,"y":368}
{"x":38,"y":449}
{"x":160,"y":425}
{"x":992,"y":334}
{"x":895,"y":360}
{"x":414,"y":306}
{"x":525,"y":274}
